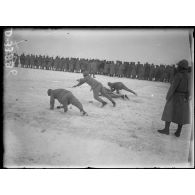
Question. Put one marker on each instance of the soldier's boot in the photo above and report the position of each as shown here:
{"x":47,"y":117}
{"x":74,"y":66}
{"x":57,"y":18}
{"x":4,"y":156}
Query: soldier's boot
{"x":178,"y":132}
{"x":103,"y":104}
{"x":126,"y":97}
{"x":114,"y":104}
{"x":84,"y":113}
{"x":166,"y":129}
{"x":123,"y":97}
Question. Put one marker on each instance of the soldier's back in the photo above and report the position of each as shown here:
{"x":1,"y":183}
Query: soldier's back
{"x":117,"y":85}
{"x":59,"y":93}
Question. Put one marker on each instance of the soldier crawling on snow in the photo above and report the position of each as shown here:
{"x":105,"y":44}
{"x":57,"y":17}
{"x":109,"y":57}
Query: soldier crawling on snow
{"x":65,"y":98}
{"x":114,"y":95}
{"x":119,"y":86}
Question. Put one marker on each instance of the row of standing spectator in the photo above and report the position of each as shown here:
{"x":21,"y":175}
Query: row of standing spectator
{"x":151,"y":72}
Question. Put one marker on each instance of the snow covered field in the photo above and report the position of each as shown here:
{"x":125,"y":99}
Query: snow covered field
{"x":124,"y":136}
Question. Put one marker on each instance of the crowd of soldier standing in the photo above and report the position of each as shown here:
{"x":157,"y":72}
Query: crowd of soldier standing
{"x":151,"y":72}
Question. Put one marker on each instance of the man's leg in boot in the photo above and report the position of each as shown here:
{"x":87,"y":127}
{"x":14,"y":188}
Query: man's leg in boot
{"x":126,"y":97}
{"x":178,"y":132}
{"x":78,"y":104}
{"x":103,"y":92}
{"x":113,"y":95}
{"x":166,"y":129}
{"x":131,"y":91}
{"x":96,"y":96}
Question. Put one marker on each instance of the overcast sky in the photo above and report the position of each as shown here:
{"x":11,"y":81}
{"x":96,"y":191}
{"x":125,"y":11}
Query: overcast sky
{"x":144,"y":45}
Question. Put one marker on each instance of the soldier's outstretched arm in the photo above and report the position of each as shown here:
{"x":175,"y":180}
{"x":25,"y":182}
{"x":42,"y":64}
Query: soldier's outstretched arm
{"x":81,"y":81}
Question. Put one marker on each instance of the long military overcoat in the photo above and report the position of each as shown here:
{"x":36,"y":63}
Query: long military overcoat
{"x":177,"y":107}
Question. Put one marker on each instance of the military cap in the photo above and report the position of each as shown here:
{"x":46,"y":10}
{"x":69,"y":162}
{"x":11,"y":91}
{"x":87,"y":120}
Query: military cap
{"x":183,"y":64}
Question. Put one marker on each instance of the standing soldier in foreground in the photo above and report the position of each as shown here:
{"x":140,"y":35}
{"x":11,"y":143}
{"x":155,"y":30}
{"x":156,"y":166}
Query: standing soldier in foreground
{"x":177,"y":107}
{"x":97,"y":88}
{"x":65,"y":98}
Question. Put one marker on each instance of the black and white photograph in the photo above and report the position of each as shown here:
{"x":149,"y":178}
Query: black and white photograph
{"x":98,"y":97}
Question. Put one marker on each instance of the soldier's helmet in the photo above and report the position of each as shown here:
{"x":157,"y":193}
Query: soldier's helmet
{"x":85,"y":73}
{"x":183,"y":64}
{"x":49,"y":92}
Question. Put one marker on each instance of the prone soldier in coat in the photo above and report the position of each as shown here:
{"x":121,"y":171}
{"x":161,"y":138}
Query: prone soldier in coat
{"x":65,"y":98}
{"x":119,"y":86}
{"x":114,"y":95}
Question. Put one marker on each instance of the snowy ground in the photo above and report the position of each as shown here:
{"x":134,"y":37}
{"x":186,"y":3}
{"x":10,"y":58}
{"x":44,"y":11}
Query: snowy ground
{"x":124,"y":136}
